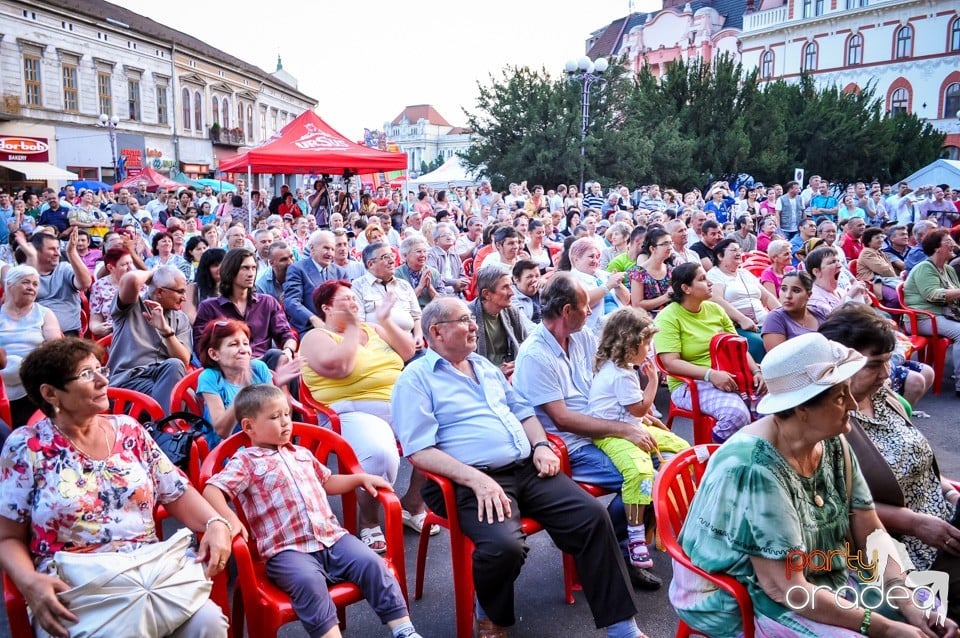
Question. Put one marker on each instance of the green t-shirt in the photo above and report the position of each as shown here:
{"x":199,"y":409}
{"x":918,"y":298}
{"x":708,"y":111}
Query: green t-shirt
{"x":752,"y":503}
{"x":690,"y":333}
{"x":620,"y":263}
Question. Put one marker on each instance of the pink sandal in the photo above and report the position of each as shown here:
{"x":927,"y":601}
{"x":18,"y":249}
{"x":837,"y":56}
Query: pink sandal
{"x":639,"y":554}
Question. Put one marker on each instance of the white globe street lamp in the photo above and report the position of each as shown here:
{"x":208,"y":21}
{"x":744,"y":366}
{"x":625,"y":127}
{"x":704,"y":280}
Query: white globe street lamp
{"x":587,"y":72}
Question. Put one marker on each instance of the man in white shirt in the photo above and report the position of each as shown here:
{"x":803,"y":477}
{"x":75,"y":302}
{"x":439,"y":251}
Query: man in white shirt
{"x":378,"y":282}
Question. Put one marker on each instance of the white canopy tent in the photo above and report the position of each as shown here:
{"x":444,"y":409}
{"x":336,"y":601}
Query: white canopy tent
{"x":452,"y":172}
{"x":942,"y":171}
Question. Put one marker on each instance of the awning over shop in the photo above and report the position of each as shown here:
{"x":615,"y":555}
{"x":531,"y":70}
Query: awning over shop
{"x":40,"y":171}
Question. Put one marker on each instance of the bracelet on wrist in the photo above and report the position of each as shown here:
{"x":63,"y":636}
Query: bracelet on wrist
{"x":706,"y":376}
{"x":218,"y":519}
{"x":167,"y":335}
{"x":865,"y":625}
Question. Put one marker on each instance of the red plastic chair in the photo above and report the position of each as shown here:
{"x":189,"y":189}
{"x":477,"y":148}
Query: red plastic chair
{"x":754,"y":267}
{"x":758,"y":255}
{"x":184,"y":397}
{"x":5,"y":412}
{"x":728,"y":352}
{"x":256,"y":599}
{"x":702,"y":423}
{"x":931,"y":349}
{"x":673,"y":491}
{"x":852,"y":267}
{"x":468,"y":267}
{"x":461,"y":555}
{"x":85,"y":317}
{"x":123,"y":401}
{"x":313,"y":409}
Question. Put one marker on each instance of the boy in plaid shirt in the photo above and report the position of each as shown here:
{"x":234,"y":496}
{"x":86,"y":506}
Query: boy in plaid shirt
{"x":283,"y":491}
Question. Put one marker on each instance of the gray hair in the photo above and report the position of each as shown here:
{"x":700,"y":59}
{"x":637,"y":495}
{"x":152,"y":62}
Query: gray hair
{"x":673,"y":225}
{"x":277,"y":245}
{"x":371,"y":249}
{"x":317,"y":235}
{"x":921,"y":228}
{"x":580,"y":247}
{"x":17,"y":273}
{"x":488,"y":277}
{"x":776,"y":247}
{"x":444,"y":227}
{"x":260,"y":231}
{"x":434,"y":312}
{"x":618,"y":227}
{"x":164,"y":277}
{"x":406,"y":246}
{"x":561,"y":290}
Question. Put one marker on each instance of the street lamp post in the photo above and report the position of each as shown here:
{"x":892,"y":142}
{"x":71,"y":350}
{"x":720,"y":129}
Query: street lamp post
{"x":111,"y":125}
{"x":587,"y":72}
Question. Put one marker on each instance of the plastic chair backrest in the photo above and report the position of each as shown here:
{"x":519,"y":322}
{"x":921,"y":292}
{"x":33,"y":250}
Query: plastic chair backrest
{"x":185,"y":397}
{"x":728,"y":352}
{"x":322,"y":442}
{"x":676,"y":484}
{"x":124,"y":401}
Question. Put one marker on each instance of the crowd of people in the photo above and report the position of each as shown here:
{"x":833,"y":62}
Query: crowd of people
{"x":466,"y":325}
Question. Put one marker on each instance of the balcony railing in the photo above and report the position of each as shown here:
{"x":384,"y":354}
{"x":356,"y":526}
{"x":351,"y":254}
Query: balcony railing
{"x":227,"y":137}
{"x":764,"y":19}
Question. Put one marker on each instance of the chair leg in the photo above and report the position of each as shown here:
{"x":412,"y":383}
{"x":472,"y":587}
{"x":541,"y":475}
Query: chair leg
{"x":342,"y":617}
{"x":571,"y":580}
{"x":238,"y":617}
{"x":938,"y":360}
{"x":422,"y":555}
{"x":461,"y":550}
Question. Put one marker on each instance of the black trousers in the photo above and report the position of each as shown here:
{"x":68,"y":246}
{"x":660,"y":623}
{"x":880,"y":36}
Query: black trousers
{"x":577,"y":523}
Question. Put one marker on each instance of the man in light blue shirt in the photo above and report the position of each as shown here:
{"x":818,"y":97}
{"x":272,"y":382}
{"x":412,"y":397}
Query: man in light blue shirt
{"x":554,"y":371}
{"x":456,"y":415}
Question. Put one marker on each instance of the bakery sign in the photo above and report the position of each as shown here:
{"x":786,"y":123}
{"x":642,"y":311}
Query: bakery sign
{"x":15,"y":148}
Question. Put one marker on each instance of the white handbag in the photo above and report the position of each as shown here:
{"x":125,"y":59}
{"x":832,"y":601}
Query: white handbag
{"x":149,"y":592}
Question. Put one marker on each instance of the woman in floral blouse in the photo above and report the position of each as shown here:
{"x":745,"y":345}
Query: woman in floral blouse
{"x":83,"y":481}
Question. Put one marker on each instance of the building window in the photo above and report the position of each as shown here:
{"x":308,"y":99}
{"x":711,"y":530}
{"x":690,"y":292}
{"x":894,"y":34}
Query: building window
{"x":185,"y":98}
{"x":263,"y":124}
{"x":250,"y":122}
{"x":273,"y":120}
{"x":855,"y":50}
{"x":104,"y":93}
{"x":766,"y":65}
{"x":899,"y":101}
{"x":951,"y":101}
{"x":955,"y":35}
{"x":31,"y":79}
{"x":133,"y":99}
{"x":162,"y":105}
{"x":215,"y":111}
{"x":812,"y":8}
{"x":810,"y":57}
{"x":904,"y":42}
{"x":198,"y":111}
{"x":225,"y":110}
{"x":239,"y":115}
{"x":71,"y":103}
{"x":951,"y":153}
{"x":853,"y":4}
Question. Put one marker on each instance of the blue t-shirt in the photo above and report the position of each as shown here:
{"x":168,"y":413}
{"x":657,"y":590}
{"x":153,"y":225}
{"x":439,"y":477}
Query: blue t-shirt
{"x":212,"y":382}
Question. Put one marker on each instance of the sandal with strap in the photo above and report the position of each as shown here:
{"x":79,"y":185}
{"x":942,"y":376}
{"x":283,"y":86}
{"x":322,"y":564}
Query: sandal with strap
{"x":373,"y":538}
{"x":639,"y":554}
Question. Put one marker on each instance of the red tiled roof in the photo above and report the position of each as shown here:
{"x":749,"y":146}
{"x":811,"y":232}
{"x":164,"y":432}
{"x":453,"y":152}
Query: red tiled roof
{"x":421,"y":111}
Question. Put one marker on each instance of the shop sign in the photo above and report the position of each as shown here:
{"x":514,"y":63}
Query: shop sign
{"x":16,"y":148}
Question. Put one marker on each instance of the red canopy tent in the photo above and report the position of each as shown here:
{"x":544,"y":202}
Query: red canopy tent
{"x":153,"y":179}
{"x":310,"y":145}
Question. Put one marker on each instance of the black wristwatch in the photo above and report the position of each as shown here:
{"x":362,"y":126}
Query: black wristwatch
{"x":541,"y":444}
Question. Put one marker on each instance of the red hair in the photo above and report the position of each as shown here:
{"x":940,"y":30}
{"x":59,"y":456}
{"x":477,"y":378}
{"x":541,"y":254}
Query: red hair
{"x":214,"y":334}
{"x":325,"y":293}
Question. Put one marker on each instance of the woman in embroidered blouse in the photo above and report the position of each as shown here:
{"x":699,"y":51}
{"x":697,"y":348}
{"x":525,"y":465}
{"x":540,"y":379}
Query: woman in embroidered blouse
{"x":650,"y":279}
{"x":83,"y":481}
{"x":790,"y":472}
{"x":914,"y":501}
{"x":352,"y":365}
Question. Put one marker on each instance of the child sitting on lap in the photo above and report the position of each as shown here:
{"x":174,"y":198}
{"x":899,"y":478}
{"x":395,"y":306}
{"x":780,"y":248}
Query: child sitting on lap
{"x":283,"y":491}
{"x":616,"y":394}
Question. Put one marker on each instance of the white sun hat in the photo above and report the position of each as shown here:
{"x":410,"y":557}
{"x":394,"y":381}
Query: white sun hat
{"x":802,"y":367}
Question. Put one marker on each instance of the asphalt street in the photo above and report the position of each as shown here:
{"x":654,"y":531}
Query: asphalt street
{"x":541,"y":610}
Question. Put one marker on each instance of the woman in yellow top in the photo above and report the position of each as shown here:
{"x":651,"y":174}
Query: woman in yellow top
{"x":352,"y":366}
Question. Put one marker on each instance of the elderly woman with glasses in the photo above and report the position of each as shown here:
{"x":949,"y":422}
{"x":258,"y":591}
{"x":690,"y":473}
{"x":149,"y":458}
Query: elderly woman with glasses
{"x":800,"y":493}
{"x":426,"y":281}
{"x":84,"y":481}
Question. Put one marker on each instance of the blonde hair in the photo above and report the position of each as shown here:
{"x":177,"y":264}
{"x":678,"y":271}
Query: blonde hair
{"x":624,"y":332}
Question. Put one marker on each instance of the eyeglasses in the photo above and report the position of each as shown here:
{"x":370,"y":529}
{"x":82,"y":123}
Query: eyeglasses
{"x":386,"y":257}
{"x":464,"y":319}
{"x":89,"y":375}
{"x":176,"y":291}
{"x":664,"y":244}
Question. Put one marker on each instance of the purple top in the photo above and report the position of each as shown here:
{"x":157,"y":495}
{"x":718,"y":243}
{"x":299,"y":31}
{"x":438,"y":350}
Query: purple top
{"x":780,"y":323}
{"x":265,"y":318}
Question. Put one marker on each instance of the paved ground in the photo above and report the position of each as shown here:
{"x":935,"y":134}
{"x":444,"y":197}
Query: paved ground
{"x":541,"y":610}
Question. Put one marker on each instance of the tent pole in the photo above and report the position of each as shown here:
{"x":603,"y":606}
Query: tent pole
{"x":249,"y":212}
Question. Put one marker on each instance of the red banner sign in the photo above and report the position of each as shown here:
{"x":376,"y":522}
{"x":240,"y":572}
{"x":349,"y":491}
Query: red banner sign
{"x":24,"y":149}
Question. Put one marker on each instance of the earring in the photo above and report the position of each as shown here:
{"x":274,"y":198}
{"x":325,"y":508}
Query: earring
{"x":56,"y":410}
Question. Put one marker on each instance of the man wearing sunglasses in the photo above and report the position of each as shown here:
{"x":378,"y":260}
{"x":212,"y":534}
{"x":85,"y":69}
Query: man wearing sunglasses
{"x":150,"y":350}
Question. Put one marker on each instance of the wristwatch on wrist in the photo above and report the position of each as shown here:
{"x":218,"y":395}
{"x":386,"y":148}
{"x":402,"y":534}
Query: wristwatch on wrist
{"x":541,"y":444}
